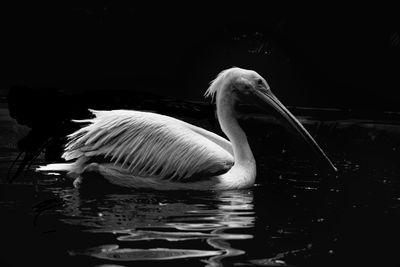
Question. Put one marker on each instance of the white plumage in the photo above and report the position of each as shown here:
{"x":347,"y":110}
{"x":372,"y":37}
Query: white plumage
{"x":147,"y":150}
{"x":148,"y":145}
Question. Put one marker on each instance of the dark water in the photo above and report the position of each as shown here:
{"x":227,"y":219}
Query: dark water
{"x":294,"y":216}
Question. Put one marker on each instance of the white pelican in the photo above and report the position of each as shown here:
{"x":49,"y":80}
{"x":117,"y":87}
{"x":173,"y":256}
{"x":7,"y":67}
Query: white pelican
{"x":146,"y":150}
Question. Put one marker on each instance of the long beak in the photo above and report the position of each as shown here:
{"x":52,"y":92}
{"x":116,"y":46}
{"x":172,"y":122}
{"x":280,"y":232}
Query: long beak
{"x":268,"y":101}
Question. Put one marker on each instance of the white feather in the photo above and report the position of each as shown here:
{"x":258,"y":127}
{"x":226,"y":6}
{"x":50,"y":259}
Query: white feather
{"x":57,"y":167}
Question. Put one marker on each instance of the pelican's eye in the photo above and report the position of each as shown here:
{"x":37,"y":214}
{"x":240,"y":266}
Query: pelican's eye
{"x":260,"y":82}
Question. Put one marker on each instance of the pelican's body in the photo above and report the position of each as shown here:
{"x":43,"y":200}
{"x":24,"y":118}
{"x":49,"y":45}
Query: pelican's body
{"x":146,"y":150}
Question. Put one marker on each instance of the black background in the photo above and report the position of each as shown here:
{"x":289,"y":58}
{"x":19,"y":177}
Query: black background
{"x":317,"y":56}
{"x":320,"y":56}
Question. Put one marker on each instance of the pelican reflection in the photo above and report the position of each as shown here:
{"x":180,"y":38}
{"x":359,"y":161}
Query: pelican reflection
{"x":180,"y":219}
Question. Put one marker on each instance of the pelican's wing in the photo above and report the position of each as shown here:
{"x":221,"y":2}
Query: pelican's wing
{"x":151,"y":145}
{"x":222,"y":142}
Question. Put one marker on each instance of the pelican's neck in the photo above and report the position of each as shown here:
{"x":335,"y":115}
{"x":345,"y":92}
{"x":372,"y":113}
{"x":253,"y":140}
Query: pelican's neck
{"x":230,"y":126}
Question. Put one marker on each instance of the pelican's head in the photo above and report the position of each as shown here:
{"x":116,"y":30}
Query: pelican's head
{"x":236,"y":84}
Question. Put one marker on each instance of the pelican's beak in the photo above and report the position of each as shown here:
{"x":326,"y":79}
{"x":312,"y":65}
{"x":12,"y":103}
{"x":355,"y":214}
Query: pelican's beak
{"x":267,"y":100}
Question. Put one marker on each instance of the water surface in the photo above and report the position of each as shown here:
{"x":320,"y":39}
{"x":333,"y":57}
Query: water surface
{"x":294,"y":216}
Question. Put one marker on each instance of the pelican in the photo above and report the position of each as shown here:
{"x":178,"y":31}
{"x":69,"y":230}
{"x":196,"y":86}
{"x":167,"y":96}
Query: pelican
{"x":138,"y":149}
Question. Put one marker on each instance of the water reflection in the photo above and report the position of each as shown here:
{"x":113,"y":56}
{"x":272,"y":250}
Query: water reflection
{"x":178,"y":221}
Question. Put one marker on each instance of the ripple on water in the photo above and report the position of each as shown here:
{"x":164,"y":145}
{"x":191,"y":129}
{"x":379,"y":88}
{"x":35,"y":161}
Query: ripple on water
{"x":141,"y":235}
{"x":113,"y":252}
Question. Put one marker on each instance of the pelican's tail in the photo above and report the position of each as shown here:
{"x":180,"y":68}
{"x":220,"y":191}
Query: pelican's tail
{"x":73,"y":169}
{"x":57,"y":167}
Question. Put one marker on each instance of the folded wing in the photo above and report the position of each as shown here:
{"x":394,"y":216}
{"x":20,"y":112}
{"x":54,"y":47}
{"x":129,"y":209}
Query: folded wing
{"x":150,"y":145}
